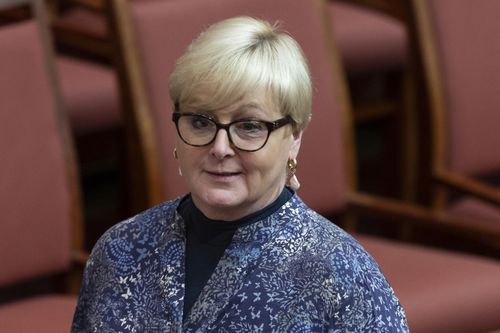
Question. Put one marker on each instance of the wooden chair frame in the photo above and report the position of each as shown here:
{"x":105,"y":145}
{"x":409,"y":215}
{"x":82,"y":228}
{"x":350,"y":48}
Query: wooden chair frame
{"x":113,"y":48}
{"x":404,"y":109}
{"x":143,"y":158}
{"x":79,"y":255}
{"x":406,"y":214}
{"x":441,"y":178}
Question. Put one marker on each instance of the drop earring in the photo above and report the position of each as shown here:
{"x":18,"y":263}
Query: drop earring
{"x":293,"y":182}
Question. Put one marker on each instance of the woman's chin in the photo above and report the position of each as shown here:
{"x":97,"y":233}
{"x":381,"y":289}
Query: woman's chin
{"x":222,"y":204}
{"x":223,"y":198}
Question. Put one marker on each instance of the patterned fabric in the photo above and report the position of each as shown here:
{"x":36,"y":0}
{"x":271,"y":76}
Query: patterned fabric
{"x":293,"y":271}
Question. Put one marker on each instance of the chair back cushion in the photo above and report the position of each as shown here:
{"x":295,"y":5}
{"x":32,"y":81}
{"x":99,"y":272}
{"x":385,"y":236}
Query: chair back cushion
{"x":165,"y":28}
{"x":468,"y":44}
{"x":34,"y":202}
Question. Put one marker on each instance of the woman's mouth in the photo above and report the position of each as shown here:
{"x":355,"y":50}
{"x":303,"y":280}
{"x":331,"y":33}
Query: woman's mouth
{"x":223,"y":176}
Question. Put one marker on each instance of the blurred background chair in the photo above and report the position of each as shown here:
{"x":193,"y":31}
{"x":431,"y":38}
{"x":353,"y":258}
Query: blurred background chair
{"x":91,"y":97}
{"x":459,"y":291}
{"x":372,"y":41}
{"x":456,"y":50}
{"x":40,"y":213}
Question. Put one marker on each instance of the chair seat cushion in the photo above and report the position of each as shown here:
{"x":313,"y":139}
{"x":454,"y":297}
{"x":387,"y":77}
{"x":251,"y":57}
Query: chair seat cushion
{"x":90,"y":95}
{"x":440,"y":291}
{"x":45,"y":314}
{"x":368,"y":40}
{"x":479,"y":212}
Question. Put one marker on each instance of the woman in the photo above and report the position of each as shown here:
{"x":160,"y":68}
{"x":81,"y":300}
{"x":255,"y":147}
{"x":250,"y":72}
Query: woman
{"x":241,"y":252}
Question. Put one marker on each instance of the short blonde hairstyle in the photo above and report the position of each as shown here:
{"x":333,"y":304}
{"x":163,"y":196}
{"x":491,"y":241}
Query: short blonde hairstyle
{"x":237,"y":55}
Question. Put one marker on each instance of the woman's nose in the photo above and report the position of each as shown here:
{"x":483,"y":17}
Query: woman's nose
{"x":221,"y":146}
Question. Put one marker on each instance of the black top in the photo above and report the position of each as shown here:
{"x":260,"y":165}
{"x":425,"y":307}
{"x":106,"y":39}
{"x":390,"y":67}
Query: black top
{"x":207,"y":239}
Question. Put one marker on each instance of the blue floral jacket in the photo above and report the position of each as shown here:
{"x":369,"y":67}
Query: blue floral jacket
{"x":294,"y":271}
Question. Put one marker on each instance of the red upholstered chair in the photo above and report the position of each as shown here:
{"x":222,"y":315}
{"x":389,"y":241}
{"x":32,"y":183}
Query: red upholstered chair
{"x":458,"y":47}
{"x":441,"y":291}
{"x":85,"y":65}
{"x":372,"y":41}
{"x":40,"y":215}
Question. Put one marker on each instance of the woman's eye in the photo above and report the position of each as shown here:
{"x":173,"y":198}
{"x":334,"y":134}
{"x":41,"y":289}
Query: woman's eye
{"x":249,"y":127}
{"x":200,"y":122}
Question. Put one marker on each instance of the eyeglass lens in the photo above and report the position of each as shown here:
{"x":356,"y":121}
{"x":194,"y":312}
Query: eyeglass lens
{"x":198,"y":130}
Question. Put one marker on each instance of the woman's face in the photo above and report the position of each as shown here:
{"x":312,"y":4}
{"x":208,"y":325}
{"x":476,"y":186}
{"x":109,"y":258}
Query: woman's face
{"x":227,"y":183}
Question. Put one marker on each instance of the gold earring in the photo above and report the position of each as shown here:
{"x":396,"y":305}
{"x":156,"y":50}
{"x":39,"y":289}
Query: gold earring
{"x":292,"y":166}
{"x":293,"y":182}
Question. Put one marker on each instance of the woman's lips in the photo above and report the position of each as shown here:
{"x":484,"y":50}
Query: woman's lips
{"x":223,"y":176}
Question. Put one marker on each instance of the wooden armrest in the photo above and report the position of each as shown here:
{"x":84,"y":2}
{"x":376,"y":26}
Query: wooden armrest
{"x":418,"y":215}
{"x":469,"y":186}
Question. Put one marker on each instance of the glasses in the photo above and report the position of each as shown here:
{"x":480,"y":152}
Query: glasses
{"x":247,"y":135}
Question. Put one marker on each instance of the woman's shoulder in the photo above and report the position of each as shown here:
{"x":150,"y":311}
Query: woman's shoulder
{"x":147,"y":221}
{"x":318,"y":225}
{"x":143,"y":232}
{"x":336,"y":248}
{"x":345,"y":269}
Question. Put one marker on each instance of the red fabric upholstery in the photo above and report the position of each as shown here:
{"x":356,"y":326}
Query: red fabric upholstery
{"x":48,"y":314}
{"x":368,"y":40}
{"x":440,"y":291}
{"x":164,"y":32}
{"x":90,"y":95}
{"x":34,"y":211}
{"x":468,"y":41}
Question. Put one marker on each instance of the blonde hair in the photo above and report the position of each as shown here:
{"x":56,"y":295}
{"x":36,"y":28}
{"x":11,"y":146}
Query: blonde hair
{"x":237,"y":55}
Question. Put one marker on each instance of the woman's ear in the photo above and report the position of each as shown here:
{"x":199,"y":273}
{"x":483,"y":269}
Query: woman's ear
{"x":297,"y":138}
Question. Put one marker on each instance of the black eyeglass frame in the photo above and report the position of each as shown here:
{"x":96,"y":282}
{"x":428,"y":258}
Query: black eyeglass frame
{"x":271,"y":126}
